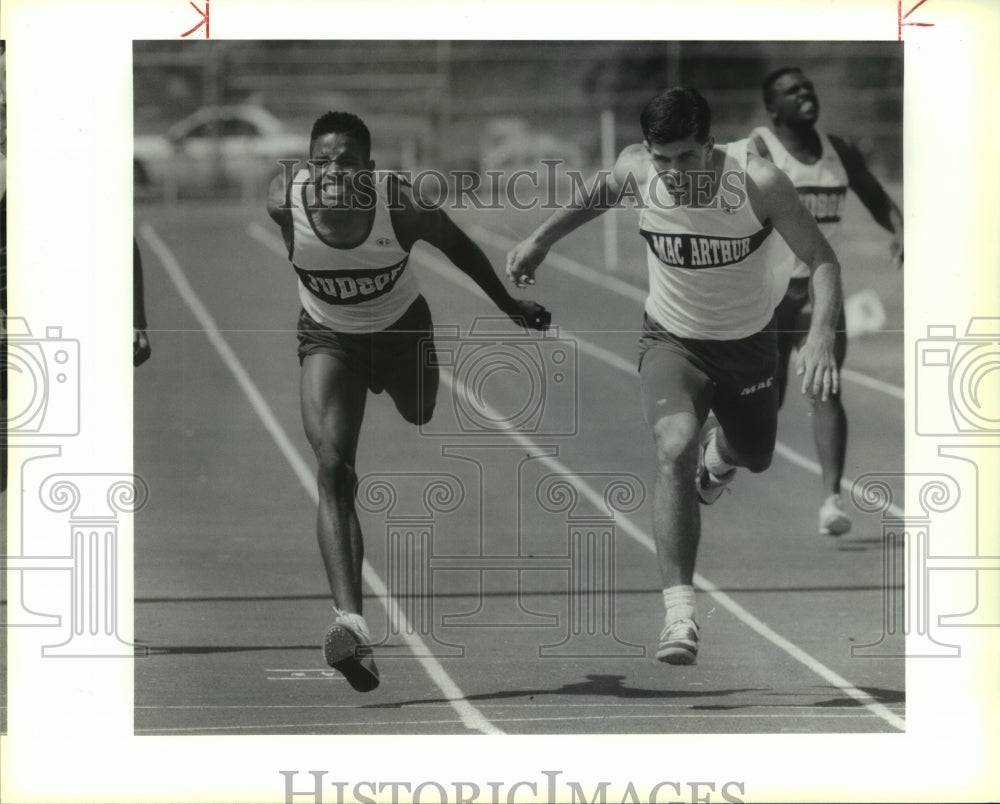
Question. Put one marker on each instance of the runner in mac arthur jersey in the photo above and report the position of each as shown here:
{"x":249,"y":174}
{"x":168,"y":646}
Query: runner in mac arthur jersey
{"x":708,"y":215}
{"x":349,"y":233}
{"x":822,"y":167}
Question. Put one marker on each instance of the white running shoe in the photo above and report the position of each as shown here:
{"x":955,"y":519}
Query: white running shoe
{"x":710,"y":487}
{"x":833,"y":520}
{"x":679,"y":642}
{"x":347,"y":648}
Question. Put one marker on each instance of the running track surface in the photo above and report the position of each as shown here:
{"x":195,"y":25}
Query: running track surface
{"x":507,"y":595}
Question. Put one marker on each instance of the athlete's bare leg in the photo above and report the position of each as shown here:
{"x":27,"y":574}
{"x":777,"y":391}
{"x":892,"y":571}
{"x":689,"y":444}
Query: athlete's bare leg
{"x":676,"y":516}
{"x":829,"y":419}
{"x":333,"y":405}
{"x":830,"y":435}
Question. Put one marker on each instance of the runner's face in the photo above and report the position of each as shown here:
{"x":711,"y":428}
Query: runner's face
{"x":337,"y":159}
{"x":794,"y":100}
{"x":673,"y":161}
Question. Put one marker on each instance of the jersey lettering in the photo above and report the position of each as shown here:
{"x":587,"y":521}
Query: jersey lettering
{"x":752,"y":389}
{"x":702,"y":251}
{"x":351,"y":286}
{"x":825,"y":204}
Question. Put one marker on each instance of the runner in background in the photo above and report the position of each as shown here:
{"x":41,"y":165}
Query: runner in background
{"x":822,"y":167}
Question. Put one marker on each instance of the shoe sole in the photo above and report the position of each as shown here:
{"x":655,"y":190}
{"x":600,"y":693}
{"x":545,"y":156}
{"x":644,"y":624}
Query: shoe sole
{"x":678,"y":655}
{"x":710,"y":497}
{"x":707,"y":496}
{"x":836,"y":527}
{"x":354,"y":661}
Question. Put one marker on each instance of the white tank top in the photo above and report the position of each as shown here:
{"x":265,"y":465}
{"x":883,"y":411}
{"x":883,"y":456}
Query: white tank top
{"x":822,"y":188}
{"x":709,"y":276}
{"x":360,"y":289}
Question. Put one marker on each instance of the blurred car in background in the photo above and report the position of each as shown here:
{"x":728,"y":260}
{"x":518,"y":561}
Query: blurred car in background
{"x":217,"y":146}
{"x":509,"y":143}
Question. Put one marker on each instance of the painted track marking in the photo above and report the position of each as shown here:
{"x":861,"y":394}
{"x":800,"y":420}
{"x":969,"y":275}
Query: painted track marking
{"x":470,"y":716}
{"x":444,"y":269}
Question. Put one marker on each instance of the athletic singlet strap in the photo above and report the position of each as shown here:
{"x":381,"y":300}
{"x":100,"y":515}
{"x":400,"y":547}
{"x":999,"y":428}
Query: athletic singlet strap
{"x":762,"y":149}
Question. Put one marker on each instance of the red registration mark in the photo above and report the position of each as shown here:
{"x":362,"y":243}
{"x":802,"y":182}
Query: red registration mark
{"x":901,"y":18}
{"x":204,"y":21}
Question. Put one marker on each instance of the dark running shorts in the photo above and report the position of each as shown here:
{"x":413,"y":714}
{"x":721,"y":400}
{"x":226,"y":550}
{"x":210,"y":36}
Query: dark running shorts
{"x":793,"y":321}
{"x":735,"y":380}
{"x":400,"y":358}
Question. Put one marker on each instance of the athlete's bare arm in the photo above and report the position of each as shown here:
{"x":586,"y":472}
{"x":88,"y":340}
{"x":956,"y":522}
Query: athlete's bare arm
{"x":140,"y":340}
{"x":428,"y":222}
{"x":774,"y":199}
{"x":524,"y":259}
{"x":883,"y":209}
{"x":278,"y":207}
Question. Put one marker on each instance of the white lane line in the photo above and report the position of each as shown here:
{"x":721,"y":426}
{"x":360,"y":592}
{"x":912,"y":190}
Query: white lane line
{"x":565,"y":264}
{"x":696,"y":715}
{"x":629,"y":291}
{"x":700,"y":716}
{"x":870,"y":382}
{"x":617,"y":361}
{"x":299,"y":726}
{"x":743,"y":615}
{"x":623,"y":702}
{"x":456,"y":277}
{"x":470,"y":716}
{"x":438,"y":265}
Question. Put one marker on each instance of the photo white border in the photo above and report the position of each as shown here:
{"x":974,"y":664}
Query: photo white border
{"x":69,"y":72}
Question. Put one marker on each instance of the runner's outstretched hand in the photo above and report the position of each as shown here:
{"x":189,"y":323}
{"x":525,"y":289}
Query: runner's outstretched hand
{"x":523,"y":260}
{"x":818,"y":367}
{"x":529,"y":314}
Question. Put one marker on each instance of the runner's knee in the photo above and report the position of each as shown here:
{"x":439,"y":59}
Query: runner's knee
{"x":758,"y":463}
{"x":753,"y":454}
{"x":335,"y":472}
{"x":676,"y":444}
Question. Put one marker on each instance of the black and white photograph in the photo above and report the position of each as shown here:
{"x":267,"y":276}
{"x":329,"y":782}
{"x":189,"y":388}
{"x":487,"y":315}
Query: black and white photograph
{"x":522,"y":405}
{"x":460,"y":386}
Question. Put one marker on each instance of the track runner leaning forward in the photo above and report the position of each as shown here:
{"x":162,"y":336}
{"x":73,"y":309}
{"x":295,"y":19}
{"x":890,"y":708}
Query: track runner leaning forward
{"x":349,"y":232}
{"x":708,"y":342}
